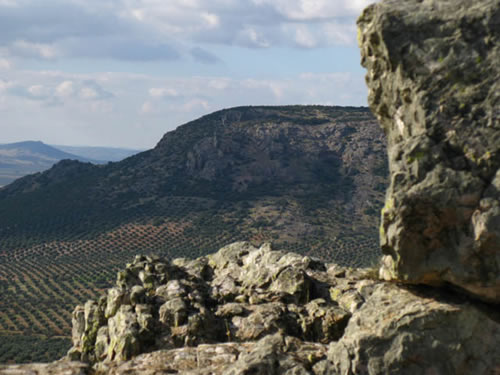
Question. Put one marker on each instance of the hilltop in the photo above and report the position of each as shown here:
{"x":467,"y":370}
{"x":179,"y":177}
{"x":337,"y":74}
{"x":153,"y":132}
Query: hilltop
{"x":309,"y":178}
{"x":22,"y":158}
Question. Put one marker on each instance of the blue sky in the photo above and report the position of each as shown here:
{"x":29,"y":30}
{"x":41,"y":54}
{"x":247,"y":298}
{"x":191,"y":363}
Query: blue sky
{"x":123,"y":72}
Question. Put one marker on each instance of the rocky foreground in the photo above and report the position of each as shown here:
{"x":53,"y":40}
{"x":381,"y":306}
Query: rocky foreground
{"x":248,"y":310}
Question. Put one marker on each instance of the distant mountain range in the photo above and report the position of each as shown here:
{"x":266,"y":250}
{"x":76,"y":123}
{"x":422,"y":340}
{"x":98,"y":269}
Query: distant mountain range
{"x":100,"y":154}
{"x":22,"y":158}
{"x":310,"y":179}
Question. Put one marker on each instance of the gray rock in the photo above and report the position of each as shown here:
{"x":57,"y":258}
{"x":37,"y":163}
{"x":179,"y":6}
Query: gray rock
{"x":405,"y":331}
{"x":348,"y":323}
{"x":54,"y":368}
{"x":274,"y":354}
{"x":434,"y":85}
{"x":174,"y":312}
{"x":241,"y":293}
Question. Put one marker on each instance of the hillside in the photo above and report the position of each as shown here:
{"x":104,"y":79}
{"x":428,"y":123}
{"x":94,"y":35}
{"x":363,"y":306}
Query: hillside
{"x":22,"y":158}
{"x":308,"y":178}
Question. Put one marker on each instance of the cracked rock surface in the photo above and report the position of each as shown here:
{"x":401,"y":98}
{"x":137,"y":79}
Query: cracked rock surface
{"x":434,"y":85}
{"x":251,"y":310}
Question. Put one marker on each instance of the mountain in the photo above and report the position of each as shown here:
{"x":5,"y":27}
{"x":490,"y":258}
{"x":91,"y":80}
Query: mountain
{"x":22,"y":158}
{"x":308,"y":178}
{"x":104,"y":154}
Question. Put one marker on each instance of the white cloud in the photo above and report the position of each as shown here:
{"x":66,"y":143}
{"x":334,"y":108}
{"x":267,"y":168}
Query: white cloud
{"x":303,"y":10}
{"x":88,"y":93}
{"x":147,"y":107}
{"x":250,"y":37}
{"x":158,"y":92}
{"x":142,"y":30}
{"x":4,"y":85}
{"x":304,"y":38}
{"x":195,"y":104}
{"x":91,"y":90}
{"x":337,"y":33}
{"x":65,"y":89}
{"x":276,"y":87}
{"x":219,"y":83}
{"x":211,"y":19}
{"x":40,"y":50}
{"x":37,"y":90}
{"x":5,"y":64}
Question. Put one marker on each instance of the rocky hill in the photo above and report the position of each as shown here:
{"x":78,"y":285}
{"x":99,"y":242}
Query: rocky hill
{"x":309,"y":178}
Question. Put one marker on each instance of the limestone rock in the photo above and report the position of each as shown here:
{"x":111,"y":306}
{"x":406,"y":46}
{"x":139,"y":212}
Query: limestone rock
{"x":274,"y":354}
{"x":281,"y":313}
{"x":405,"y":331}
{"x":54,"y":368}
{"x":241,"y":293}
{"x":434,"y":83}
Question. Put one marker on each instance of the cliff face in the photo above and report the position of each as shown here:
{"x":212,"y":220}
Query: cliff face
{"x":434,"y":81}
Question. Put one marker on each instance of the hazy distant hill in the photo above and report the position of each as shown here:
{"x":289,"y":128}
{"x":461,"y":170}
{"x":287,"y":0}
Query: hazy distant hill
{"x":308,"y":178}
{"x":22,"y":158}
{"x":104,"y":154}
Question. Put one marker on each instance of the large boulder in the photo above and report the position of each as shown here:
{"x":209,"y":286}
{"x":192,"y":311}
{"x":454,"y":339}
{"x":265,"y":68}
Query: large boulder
{"x":417,"y":331}
{"x":434,"y":85}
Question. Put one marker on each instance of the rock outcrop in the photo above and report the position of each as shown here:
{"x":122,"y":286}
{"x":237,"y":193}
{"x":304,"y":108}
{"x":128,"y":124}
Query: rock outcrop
{"x":248,"y":310}
{"x":239,"y":295}
{"x":434,"y":82}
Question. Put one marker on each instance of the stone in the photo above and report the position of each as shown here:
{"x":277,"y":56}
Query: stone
{"x":54,"y":368}
{"x":434,"y":86}
{"x":123,"y":330}
{"x":269,"y":292}
{"x":116,"y":297}
{"x":174,"y":312}
{"x":348,"y":322}
{"x":137,"y":295}
{"x":417,"y":331}
{"x":274,"y":354}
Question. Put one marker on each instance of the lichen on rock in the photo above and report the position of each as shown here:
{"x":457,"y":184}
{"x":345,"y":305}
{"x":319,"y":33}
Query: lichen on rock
{"x":252,"y":310}
{"x":239,"y":294}
{"x":434,"y":85}
{"x":247,"y":309}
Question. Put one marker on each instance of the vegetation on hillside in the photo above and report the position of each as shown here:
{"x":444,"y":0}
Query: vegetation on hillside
{"x":309,"y":179}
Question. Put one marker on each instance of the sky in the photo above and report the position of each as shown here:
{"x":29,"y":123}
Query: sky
{"x":121,"y":73}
